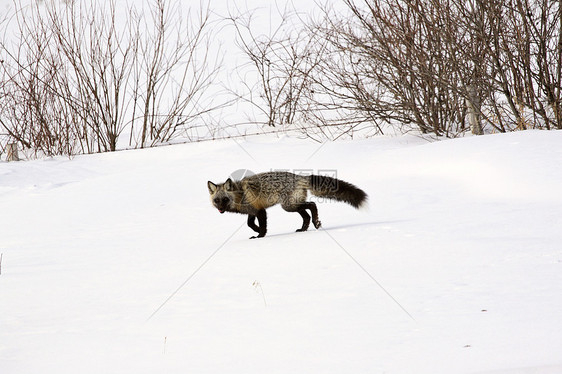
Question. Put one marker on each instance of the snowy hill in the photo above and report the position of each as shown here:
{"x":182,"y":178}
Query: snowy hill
{"x":117,"y":263}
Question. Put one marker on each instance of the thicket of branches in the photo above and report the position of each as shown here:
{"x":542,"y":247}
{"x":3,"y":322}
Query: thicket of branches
{"x":77,"y":76}
{"x":82,"y":77}
{"x":282,"y":63}
{"x":434,"y":66}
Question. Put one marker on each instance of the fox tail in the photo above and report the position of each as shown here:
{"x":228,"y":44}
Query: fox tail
{"x":336,"y":189}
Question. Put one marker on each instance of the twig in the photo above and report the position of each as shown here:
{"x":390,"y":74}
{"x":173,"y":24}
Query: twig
{"x":257,"y":285}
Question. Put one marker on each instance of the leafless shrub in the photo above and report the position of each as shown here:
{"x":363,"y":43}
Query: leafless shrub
{"x":30,"y":111}
{"x":80,"y":74}
{"x":278,"y":82}
{"x":176,"y":75}
{"x":392,"y":66}
{"x":526,"y":50}
{"x":428,"y":65}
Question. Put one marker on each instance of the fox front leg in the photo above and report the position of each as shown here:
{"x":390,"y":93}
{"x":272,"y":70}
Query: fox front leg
{"x":252,"y":223}
{"x":262,"y":221}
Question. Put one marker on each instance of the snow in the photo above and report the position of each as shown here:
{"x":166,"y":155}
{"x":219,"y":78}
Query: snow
{"x":117,"y":263}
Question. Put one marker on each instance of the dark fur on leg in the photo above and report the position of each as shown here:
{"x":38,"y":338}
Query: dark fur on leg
{"x":262,"y":222}
{"x":301,"y":209}
{"x":305,"y":219}
{"x":314,"y":211}
{"x":252,"y":223}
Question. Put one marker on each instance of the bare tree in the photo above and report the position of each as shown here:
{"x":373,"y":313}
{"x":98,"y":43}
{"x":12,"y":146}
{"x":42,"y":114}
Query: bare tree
{"x":394,"y":65}
{"x":431,"y":64}
{"x":31,"y":112}
{"x":79,"y":74}
{"x":177,"y":69}
{"x":279,"y":81}
{"x":537,"y":37}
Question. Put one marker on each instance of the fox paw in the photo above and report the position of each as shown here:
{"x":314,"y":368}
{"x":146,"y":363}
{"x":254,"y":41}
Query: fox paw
{"x":317,"y":224}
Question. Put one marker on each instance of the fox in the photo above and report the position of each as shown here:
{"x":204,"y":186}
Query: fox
{"x":253,"y":194}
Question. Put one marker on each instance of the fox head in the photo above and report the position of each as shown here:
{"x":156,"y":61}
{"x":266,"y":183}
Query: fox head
{"x":222,"y":196}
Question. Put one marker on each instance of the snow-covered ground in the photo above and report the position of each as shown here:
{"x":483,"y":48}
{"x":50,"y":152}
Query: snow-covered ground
{"x":117,"y":263}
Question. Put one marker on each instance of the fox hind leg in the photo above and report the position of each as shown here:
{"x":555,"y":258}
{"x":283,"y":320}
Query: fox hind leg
{"x":301,"y":209}
{"x":314,"y":211}
{"x":305,"y":219}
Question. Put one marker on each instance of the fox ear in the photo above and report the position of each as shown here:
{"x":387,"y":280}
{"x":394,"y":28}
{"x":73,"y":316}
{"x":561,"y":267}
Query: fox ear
{"x":212,"y":187}
{"x":228,"y":185}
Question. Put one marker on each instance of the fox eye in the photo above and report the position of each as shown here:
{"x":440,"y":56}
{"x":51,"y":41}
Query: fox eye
{"x":217,"y":200}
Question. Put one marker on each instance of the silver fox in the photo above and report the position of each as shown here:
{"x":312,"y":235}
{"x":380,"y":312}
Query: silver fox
{"x":252,"y":195}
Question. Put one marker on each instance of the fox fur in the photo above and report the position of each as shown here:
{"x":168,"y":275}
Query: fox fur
{"x":252,"y":195}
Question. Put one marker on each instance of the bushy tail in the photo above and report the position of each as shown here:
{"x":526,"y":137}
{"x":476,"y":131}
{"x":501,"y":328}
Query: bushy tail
{"x":335,"y":189}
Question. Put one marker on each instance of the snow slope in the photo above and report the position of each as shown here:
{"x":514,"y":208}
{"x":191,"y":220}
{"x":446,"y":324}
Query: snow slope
{"x":117,"y":263}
